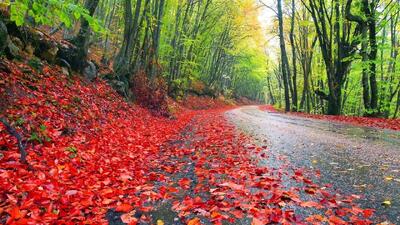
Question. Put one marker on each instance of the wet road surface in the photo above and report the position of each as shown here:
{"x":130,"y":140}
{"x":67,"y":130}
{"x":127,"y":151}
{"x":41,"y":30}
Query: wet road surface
{"x":355,"y":160}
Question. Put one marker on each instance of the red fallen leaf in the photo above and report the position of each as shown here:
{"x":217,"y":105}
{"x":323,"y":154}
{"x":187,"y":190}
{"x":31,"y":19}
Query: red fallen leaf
{"x":310,"y":191}
{"x":184,"y":183}
{"x":336,"y":220}
{"x":307,"y":181}
{"x":260,"y":171}
{"x":310,"y":204}
{"x":368,"y":213}
{"x":355,"y":210}
{"x":340,"y":212}
{"x":173,"y":189}
{"x":237,"y":213}
{"x":129,"y":218}
{"x":168,"y":169}
{"x":124,"y":208}
{"x":194,"y":221}
{"x":41,"y":176}
{"x":314,"y":218}
{"x":201,"y":212}
{"x":71,"y":192}
{"x":15,"y":213}
{"x":125,"y":177}
{"x":107,"y":201}
{"x":216,"y":215}
{"x":146,"y":208}
{"x":106,"y":191}
{"x":256,"y":222}
{"x":232,"y":185}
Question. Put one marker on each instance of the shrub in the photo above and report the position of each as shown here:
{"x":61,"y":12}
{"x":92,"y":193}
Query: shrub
{"x":151,"y":94}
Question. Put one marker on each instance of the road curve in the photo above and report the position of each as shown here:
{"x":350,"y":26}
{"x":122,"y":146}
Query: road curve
{"x":355,"y":160}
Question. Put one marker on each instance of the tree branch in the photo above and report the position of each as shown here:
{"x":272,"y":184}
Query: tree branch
{"x":269,"y":7}
{"x":352,"y":17}
{"x":14,"y":133}
{"x":321,"y":94}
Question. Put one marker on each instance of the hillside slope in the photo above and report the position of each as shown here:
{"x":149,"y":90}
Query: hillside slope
{"x":87,"y":148}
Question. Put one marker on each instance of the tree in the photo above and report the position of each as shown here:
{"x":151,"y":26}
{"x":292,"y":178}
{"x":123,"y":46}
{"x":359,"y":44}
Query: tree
{"x":285,"y":62}
{"x":369,"y":51}
{"x":294,"y":63}
{"x":335,"y":36}
{"x":81,"y":41}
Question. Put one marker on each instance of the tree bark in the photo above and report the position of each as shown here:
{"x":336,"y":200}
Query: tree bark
{"x":81,"y":41}
{"x":294,"y":64}
{"x":284,"y":58}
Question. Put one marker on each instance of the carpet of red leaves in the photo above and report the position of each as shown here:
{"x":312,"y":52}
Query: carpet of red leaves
{"x":90,"y":151}
{"x":392,"y":124}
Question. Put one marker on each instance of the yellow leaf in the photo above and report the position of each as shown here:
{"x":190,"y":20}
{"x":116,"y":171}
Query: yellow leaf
{"x":389,"y":178}
{"x":386,"y":203}
{"x":160,"y":222}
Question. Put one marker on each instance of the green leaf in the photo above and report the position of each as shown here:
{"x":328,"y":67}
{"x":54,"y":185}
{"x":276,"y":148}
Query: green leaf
{"x":77,"y":14}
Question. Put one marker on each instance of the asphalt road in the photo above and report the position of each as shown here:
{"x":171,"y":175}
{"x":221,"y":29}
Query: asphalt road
{"x":355,"y":160}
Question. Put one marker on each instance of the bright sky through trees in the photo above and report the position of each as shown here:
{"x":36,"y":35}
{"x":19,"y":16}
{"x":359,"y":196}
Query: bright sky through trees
{"x":267,"y":17}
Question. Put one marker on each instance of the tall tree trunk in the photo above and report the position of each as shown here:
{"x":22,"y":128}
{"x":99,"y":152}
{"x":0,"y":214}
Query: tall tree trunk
{"x":108,"y":22}
{"x":365,"y":66}
{"x":373,"y":56}
{"x":294,"y":65}
{"x":271,"y":95}
{"x":159,"y":12}
{"x":397,"y":105}
{"x":81,"y":41}
{"x":122,"y":62}
{"x":337,"y":46}
{"x":284,"y":58}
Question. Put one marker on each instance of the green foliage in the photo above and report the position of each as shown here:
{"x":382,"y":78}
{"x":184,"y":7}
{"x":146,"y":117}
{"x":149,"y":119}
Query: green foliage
{"x":226,"y":54}
{"x":50,"y":12}
{"x":35,"y":64}
{"x":73,"y":152}
{"x":40,"y":135}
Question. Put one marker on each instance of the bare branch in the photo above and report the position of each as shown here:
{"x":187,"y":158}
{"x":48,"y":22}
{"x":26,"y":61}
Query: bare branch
{"x":269,"y":7}
{"x":14,"y":133}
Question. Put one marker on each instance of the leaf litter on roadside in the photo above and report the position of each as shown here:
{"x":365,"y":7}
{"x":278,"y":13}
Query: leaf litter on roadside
{"x":90,"y":151}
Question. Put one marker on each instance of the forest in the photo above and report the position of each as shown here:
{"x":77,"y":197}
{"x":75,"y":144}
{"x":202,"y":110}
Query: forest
{"x":336,"y":57}
{"x":178,"y":47}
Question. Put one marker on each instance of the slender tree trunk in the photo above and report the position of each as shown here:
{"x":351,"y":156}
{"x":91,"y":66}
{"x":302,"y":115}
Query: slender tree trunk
{"x":81,"y":41}
{"x":365,"y":72}
{"x":271,"y":95}
{"x":122,"y":65}
{"x":283,"y":57}
{"x":156,"y":39}
{"x":294,"y":64}
{"x":373,"y":56}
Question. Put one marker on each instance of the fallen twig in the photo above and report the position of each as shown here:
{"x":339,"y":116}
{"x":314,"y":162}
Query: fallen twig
{"x":14,"y":133}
